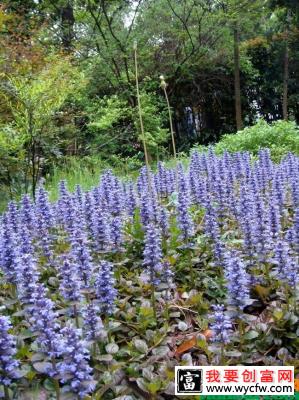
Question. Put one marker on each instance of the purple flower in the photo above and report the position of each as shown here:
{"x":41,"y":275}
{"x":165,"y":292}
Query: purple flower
{"x":101,"y":230}
{"x":237,"y":280}
{"x":74,"y":370}
{"x":93,"y":326}
{"x":131,"y":201}
{"x":149,"y":208}
{"x":8,"y":365}
{"x":78,"y":197}
{"x":81,"y":257}
{"x":69,"y":283}
{"x":25,"y":240}
{"x":221,"y":325}
{"x":112,"y":193}
{"x":8,"y":252}
{"x":185,"y":222}
{"x":212,"y":231}
{"x":27,"y":277}
{"x":164,"y":221}
{"x":27,"y":215}
{"x":44,"y":322}
{"x":67,"y":211}
{"x":45,"y":239}
{"x":104,"y":287}
{"x":152,"y":253}
{"x":13,"y":216}
{"x":296,"y":230}
{"x":143,"y":182}
{"x":44,"y":214}
{"x":89,"y":206}
{"x":274,"y":218}
{"x":116,"y":232}
{"x":167,"y":274}
{"x":287,"y":267}
{"x":161,"y":179}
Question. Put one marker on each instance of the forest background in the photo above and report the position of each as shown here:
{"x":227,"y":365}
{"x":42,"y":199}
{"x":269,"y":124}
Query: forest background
{"x":68,"y":105}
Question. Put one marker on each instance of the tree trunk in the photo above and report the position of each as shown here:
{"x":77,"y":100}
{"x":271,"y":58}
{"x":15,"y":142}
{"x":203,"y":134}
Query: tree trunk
{"x":67,"y":26}
{"x":285,"y":79}
{"x":238,"y":107}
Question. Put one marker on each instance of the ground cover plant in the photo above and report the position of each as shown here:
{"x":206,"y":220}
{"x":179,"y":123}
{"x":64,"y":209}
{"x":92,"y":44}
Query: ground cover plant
{"x":103,"y":292}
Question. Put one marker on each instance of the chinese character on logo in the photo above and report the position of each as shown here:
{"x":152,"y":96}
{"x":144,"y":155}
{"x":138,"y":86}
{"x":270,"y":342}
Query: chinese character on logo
{"x":231,"y":375}
{"x":213,"y":376}
{"x":285,"y":375}
{"x":189,"y":380}
{"x":249,"y":376}
{"x":267,"y":376}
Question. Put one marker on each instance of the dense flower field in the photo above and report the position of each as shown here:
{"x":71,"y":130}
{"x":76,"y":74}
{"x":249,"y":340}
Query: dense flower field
{"x":104,"y":292}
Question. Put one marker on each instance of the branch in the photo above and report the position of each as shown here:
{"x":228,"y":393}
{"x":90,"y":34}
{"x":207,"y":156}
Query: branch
{"x":109,"y":22}
{"x":183,"y":22}
{"x":176,"y":73}
{"x":98,"y":25}
{"x":133,"y":20}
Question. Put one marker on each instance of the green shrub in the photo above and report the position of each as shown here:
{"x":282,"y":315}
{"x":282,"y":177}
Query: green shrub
{"x":114,"y":127}
{"x":280,"y":137}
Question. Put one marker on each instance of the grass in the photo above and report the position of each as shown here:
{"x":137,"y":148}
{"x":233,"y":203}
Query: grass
{"x":74,"y":173}
{"x":86,"y":172}
{"x":280,"y":137}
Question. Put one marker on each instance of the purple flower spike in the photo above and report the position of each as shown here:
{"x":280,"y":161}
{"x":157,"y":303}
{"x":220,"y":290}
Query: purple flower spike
{"x":101,"y":230}
{"x":287,"y":266}
{"x":8,"y":365}
{"x":44,"y":214}
{"x":93,"y":326}
{"x":13,"y":216}
{"x":237,"y":280}
{"x":116,"y":232}
{"x":70,"y":284}
{"x":44,"y":322}
{"x":81,"y":258}
{"x":104,"y":286}
{"x":185,"y":222}
{"x":27,"y":277}
{"x":8,"y":253}
{"x":221,"y":325}
{"x":152,"y":254}
{"x":74,"y":370}
{"x":27,"y":215}
{"x":131,"y":201}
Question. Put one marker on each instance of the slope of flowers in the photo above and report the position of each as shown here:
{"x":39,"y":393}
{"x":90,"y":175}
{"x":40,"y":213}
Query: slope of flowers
{"x":104,"y":292}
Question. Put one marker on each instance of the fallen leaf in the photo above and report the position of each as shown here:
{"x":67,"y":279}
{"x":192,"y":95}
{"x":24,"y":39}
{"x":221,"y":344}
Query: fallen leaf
{"x":262,"y":292}
{"x":208,"y":334}
{"x":185,"y":346}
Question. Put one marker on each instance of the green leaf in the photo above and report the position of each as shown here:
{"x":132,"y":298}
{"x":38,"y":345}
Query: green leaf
{"x":154,"y":386}
{"x":278,"y":314}
{"x":42,"y":367}
{"x":112,"y":348}
{"x":233,"y":353}
{"x":141,"y":346}
{"x":251,"y":335}
{"x":105,"y":357}
{"x":161,"y":351}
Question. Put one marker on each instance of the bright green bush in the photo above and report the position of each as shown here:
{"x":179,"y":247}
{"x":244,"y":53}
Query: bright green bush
{"x":280,"y":137}
{"x":114,"y":127}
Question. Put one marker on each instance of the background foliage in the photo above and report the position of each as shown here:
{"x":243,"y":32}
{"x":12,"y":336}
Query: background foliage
{"x":68,"y":79}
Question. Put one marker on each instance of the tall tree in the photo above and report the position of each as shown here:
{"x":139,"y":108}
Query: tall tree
{"x":242,"y":17}
{"x":67,"y":26}
{"x":287,"y":12}
{"x":286,"y":73}
{"x":238,"y":104}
